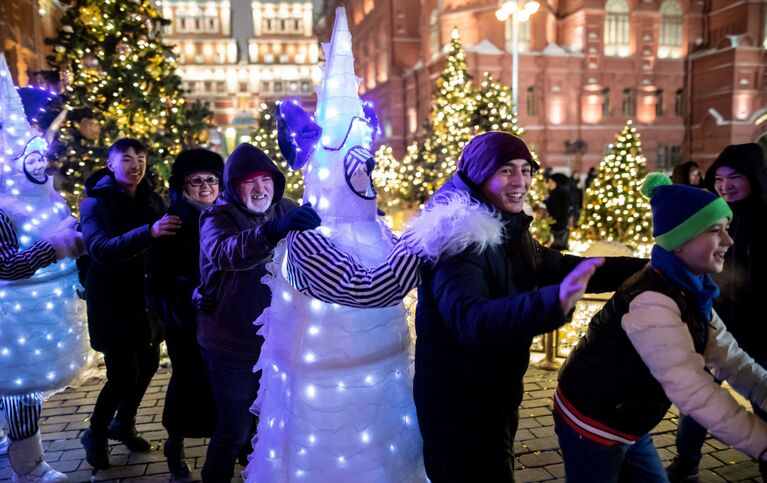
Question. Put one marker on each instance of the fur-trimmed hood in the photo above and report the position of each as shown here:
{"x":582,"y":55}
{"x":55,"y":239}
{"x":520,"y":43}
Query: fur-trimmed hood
{"x":457,"y":218}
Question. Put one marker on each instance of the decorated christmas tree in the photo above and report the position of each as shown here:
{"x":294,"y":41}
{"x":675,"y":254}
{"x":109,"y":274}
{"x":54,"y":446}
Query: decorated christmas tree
{"x":493,"y":108}
{"x":614,"y":208}
{"x":265,"y":138}
{"x":451,"y":119}
{"x":120,"y":80}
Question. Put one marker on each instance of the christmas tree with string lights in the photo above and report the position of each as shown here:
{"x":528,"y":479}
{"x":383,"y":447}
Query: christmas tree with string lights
{"x":614,"y":208}
{"x":395,"y":180}
{"x":493,"y":108}
{"x":265,"y":139}
{"x":451,"y":119}
{"x":120,"y":80}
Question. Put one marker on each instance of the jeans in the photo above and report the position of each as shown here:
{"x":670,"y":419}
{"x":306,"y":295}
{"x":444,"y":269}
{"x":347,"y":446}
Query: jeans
{"x":590,"y":462}
{"x":129,"y":372}
{"x":690,"y":435}
{"x":235,"y":387}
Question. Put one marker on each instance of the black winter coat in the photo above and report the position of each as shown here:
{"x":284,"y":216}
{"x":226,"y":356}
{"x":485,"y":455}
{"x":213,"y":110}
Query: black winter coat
{"x":476,"y":316}
{"x":115,"y":228}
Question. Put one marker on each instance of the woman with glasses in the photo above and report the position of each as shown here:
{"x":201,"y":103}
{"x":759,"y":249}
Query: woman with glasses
{"x":194,"y":185}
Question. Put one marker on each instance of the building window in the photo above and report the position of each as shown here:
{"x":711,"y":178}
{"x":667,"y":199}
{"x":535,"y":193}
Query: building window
{"x":221,"y":87}
{"x":764,"y":42}
{"x":211,"y":23}
{"x":306,"y":86}
{"x":524,"y":35}
{"x":617,"y":29}
{"x":264,"y":86}
{"x":243,"y":86}
{"x":670,"y":38}
{"x":679,"y":103}
{"x":278,"y":86}
{"x":629,"y":104}
{"x":668,"y":156}
{"x":606,"y":102}
{"x":659,"y":103}
{"x":435,"y":43}
{"x":531,"y":102}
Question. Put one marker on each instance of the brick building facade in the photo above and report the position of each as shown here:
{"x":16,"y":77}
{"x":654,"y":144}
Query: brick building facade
{"x":691,"y":74}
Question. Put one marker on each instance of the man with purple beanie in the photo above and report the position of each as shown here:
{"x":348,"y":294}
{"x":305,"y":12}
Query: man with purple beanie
{"x":479,"y":310}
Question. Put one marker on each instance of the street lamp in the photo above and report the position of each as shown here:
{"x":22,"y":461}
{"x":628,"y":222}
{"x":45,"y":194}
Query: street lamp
{"x":519,"y":11}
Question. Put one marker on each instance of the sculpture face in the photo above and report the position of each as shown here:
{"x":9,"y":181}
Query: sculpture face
{"x":34,"y":167}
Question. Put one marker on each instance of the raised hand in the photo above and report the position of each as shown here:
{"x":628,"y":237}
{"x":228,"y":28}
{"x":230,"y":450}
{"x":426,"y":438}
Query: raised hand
{"x":299,"y":219}
{"x":165,"y":226}
{"x":574,"y":285}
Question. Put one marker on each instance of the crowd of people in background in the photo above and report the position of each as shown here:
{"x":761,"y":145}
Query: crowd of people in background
{"x":190,"y":274}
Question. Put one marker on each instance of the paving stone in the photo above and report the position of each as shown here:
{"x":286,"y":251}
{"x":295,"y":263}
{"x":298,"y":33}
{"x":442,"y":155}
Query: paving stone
{"x":537,"y":459}
{"x":532,"y":474}
{"x":730,"y":456}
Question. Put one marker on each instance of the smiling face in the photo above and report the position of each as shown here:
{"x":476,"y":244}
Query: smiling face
{"x":35,"y":165}
{"x":705,"y":253}
{"x":732,"y":185}
{"x":256,"y":193}
{"x":202,"y":186}
{"x":128,"y":167}
{"x":507,"y":188}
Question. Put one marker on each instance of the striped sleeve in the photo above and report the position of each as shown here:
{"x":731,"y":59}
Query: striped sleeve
{"x":317,"y":268}
{"x":15,"y":264}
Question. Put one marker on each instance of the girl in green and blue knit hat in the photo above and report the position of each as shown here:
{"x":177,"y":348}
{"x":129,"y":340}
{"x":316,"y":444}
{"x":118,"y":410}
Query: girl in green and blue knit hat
{"x":650,"y":346}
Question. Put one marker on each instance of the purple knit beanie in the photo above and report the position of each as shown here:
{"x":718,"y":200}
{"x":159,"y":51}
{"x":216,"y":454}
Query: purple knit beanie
{"x":485,"y":153}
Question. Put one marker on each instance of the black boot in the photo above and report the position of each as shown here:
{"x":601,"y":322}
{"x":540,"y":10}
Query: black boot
{"x":173,"y":449}
{"x":682,"y":470}
{"x":96,"y":449}
{"x":127,"y":435}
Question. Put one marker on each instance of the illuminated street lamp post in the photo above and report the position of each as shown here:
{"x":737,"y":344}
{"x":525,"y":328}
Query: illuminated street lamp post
{"x":519,"y":11}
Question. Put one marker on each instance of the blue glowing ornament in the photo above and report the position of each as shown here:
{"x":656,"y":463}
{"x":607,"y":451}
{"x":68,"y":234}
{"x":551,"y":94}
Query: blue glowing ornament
{"x":43,"y":338}
{"x":335,"y":402}
{"x":297,"y":134}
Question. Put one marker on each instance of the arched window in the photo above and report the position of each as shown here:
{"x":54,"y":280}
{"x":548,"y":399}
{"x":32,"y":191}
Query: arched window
{"x":524,"y":35}
{"x":617,"y":30}
{"x":670,"y":38}
{"x":629,"y":103}
{"x":435,"y":42}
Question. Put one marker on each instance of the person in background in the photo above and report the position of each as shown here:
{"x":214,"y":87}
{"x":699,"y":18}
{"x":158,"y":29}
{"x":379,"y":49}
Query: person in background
{"x":739,"y":176}
{"x":577,"y":188}
{"x":688,"y":173}
{"x":175,"y":273}
{"x":121,"y":217}
{"x":237,"y":238}
{"x":559,"y":204}
{"x":590,"y":177}
{"x":650,"y":346}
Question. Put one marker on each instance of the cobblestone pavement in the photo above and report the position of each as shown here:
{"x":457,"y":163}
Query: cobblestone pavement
{"x":65,"y":416}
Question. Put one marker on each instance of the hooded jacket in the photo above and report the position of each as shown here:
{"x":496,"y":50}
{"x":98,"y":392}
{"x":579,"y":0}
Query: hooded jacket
{"x":744,"y":278}
{"x":477,"y":314}
{"x":115,"y":229}
{"x":233,"y":257}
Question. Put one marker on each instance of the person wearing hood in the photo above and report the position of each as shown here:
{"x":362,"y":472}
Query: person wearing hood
{"x":121,"y":218}
{"x":739,"y":176}
{"x":479,"y":310}
{"x":237,"y":237}
{"x":560,"y":204}
{"x":688,"y":173}
{"x":175,"y":273}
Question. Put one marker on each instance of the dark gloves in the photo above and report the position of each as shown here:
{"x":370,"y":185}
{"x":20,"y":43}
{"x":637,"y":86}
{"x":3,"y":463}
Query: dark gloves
{"x":299,"y":219}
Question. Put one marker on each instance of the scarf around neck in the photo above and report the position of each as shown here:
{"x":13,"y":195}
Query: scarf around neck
{"x":701,"y":287}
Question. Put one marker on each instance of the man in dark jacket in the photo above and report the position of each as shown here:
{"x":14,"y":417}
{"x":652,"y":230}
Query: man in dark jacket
{"x":120,"y":218}
{"x":560,"y":204}
{"x":478,"y":313}
{"x":237,"y":237}
{"x":739,"y":176}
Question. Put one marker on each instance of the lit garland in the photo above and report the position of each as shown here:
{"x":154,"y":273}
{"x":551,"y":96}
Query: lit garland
{"x":120,"y":81}
{"x":614,"y":208}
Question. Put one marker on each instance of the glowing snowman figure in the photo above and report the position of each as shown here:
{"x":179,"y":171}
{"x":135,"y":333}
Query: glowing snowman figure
{"x":43,"y":341}
{"x":336,"y":402}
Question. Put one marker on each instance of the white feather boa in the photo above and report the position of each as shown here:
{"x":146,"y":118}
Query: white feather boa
{"x":452,"y":223}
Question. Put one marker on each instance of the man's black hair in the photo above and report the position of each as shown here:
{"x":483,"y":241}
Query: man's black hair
{"x":123,"y":144}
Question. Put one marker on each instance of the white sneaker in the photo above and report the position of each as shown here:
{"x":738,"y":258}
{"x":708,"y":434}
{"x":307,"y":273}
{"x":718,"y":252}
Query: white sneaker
{"x":42,"y":473}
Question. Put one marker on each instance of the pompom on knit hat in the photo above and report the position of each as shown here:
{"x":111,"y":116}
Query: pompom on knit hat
{"x":485,"y":153}
{"x":680,"y":212}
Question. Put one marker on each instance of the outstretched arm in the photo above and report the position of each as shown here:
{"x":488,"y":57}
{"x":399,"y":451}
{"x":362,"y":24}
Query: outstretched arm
{"x":15,"y":264}
{"x":657,"y":332}
{"x":319,"y":269}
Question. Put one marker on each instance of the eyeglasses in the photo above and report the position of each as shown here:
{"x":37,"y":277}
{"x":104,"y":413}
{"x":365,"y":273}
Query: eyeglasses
{"x":198,"y":181}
